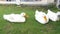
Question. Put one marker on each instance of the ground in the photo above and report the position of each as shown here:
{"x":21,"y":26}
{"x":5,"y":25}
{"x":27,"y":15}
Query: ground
{"x":31,"y":26}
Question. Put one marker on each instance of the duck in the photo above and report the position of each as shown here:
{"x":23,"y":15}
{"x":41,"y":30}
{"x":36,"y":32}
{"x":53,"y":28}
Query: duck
{"x":41,"y":17}
{"x":15,"y":17}
{"x":52,"y":16}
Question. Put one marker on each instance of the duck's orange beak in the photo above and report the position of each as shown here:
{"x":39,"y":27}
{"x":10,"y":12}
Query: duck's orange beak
{"x":26,"y":16}
{"x":45,"y":18}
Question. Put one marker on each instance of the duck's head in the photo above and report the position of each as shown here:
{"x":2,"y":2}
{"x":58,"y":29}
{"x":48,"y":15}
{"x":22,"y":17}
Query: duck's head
{"x":37,"y":12}
{"x":24,"y":14}
{"x":49,"y":11}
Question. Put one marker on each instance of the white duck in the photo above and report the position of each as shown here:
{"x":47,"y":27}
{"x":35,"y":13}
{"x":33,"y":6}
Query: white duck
{"x":41,"y":17}
{"x":52,"y":16}
{"x":15,"y":17}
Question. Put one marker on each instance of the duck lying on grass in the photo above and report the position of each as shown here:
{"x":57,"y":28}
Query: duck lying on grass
{"x":53,"y":16}
{"x":41,"y":17}
{"x":15,"y":17}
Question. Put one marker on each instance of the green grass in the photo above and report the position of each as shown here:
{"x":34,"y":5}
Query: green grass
{"x":31,"y":26}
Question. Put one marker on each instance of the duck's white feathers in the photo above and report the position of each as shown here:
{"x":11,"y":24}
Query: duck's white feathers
{"x":14,"y":18}
{"x":52,"y":16}
{"x":39,"y":16}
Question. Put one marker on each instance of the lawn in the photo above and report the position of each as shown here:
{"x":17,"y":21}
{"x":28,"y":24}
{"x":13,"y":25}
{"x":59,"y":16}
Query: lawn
{"x":31,"y":26}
